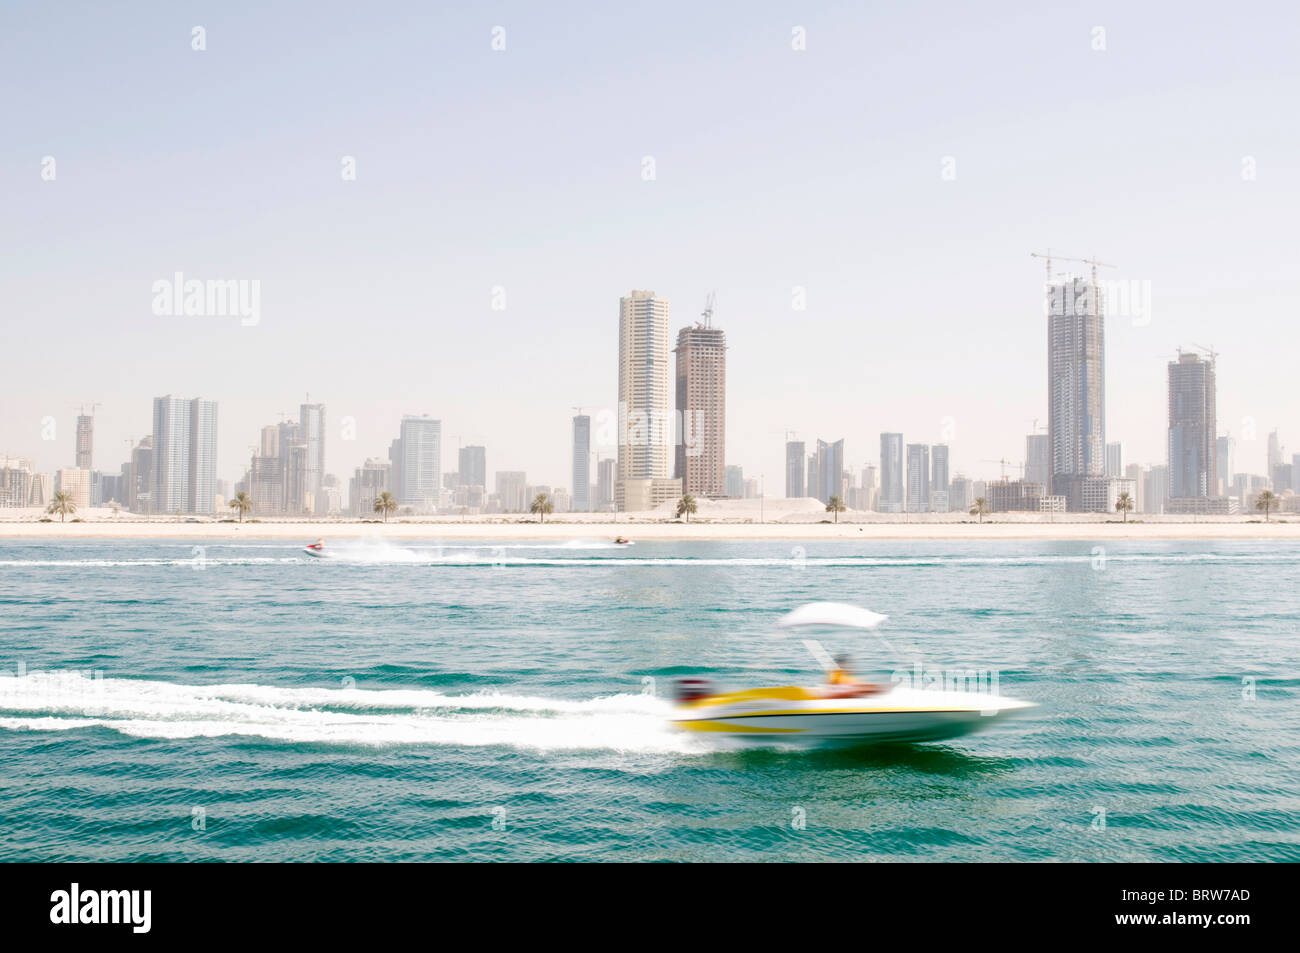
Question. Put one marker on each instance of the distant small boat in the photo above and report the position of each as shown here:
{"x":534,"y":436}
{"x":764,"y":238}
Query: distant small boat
{"x":620,"y":541}
{"x":316,"y":549}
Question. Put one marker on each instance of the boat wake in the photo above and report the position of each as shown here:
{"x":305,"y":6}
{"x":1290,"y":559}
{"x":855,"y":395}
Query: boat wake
{"x":66,"y":701}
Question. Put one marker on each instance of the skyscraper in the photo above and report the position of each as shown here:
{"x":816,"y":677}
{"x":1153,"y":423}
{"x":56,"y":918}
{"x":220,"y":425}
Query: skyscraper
{"x":1224,"y":460}
{"x":702,"y":409}
{"x":85,"y":441}
{"x":416,"y":456}
{"x":183,"y":475}
{"x":581,"y":463}
{"x":830,"y":470}
{"x":203,"y":457}
{"x":606,"y":473}
{"x":311,"y":433}
{"x":891,"y":473}
{"x":643,"y":396}
{"x":918,"y":478}
{"x":939,"y":478}
{"x":1038,"y":459}
{"x":471,"y":466}
{"x":1192,"y":428}
{"x":171,"y":437}
{"x":1076,"y":382}
{"x":735,"y":482}
{"x":1114,"y":459}
{"x":795,"y":456}
{"x":512,"y":488}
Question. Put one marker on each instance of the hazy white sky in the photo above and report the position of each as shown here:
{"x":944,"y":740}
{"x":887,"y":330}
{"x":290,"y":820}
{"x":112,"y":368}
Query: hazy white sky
{"x":522,"y":168}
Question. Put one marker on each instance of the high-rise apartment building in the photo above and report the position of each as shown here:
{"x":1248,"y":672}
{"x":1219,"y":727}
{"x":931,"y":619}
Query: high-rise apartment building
{"x":311,"y":433}
{"x":85,"y":441}
{"x":701,"y":439}
{"x":1114,"y":459}
{"x":1076,"y":382}
{"x":736,"y":482}
{"x":1225,"y":453}
{"x":826,"y":471}
{"x":581,"y":463}
{"x":606,"y":476}
{"x":471,"y":465}
{"x":1038,"y":458}
{"x":890,"y":499}
{"x":512,"y":488}
{"x":416,"y":456}
{"x":795,"y":472}
{"x":918,"y":478}
{"x":184,"y":458}
{"x":939,"y":478}
{"x":643,"y":395}
{"x":1192,"y":428}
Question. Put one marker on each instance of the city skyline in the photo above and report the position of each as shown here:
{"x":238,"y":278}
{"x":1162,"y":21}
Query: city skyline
{"x":517,"y":243}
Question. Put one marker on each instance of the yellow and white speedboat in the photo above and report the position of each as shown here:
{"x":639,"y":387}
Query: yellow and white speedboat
{"x":838,"y":715}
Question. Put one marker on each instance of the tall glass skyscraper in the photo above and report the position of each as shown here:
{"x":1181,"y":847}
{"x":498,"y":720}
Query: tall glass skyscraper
{"x":472,"y":466}
{"x":830,"y":470}
{"x":891,"y":473}
{"x":581,"y":463}
{"x":183,"y":477}
{"x":416,"y":456}
{"x":795,"y":472}
{"x":311,"y":432}
{"x":1192,"y":428}
{"x":918,"y":478}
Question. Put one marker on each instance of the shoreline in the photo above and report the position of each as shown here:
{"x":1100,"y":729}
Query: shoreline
{"x":648,"y":529}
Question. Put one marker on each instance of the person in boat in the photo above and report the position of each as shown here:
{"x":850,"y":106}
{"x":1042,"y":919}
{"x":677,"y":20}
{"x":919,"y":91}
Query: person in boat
{"x":318,"y":545}
{"x":842,"y":683}
{"x":620,"y":540}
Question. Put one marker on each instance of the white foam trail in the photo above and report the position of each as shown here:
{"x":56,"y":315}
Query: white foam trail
{"x":105,"y":563}
{"x":63,"y":701}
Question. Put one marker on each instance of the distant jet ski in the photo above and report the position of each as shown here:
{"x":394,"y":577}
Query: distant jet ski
{"x":621,"y":541}
{"x":316,"y":549}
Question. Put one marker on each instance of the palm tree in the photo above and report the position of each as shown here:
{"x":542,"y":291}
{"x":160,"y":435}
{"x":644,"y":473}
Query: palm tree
{"x":980,"y":508}
{"x":62,"y":504}
{"x":541,"y":505}
{"x":836,"y":506}
{"x":1124,"y":504}
{"x":385,"y":504}
{"x":1266,"y":500}
{"x":241,"y":504}
{"x":686,"y":506}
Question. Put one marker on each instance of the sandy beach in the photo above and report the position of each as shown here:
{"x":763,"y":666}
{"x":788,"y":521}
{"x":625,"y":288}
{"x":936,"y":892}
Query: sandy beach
{"x":591,"y":526}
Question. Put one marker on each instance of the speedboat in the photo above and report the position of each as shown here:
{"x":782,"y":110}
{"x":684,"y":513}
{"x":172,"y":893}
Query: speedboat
{"x":838,"y":714}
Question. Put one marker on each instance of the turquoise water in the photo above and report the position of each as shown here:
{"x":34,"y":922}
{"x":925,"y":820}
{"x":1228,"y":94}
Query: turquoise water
{"x":422,"y":702}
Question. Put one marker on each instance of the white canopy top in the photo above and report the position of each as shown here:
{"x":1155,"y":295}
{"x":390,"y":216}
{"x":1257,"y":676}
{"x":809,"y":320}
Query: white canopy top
{"x":836,"y":614}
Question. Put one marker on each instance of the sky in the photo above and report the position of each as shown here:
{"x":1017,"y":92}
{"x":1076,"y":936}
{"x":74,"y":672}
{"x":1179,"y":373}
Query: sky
{"x":898,"y":170}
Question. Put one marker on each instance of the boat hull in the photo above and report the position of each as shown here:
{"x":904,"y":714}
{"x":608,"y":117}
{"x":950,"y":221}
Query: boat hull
{"x":899,"y":715}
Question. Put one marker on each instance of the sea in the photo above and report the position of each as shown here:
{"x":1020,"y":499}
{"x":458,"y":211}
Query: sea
{"x":426,"y":700}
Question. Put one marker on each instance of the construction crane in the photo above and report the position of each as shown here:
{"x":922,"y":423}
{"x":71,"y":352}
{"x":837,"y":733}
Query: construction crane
{"x":1086,"y":261}
{"x":707,"y":313}
{"x":1208,"y":350}
{"x":1004,"y":462}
